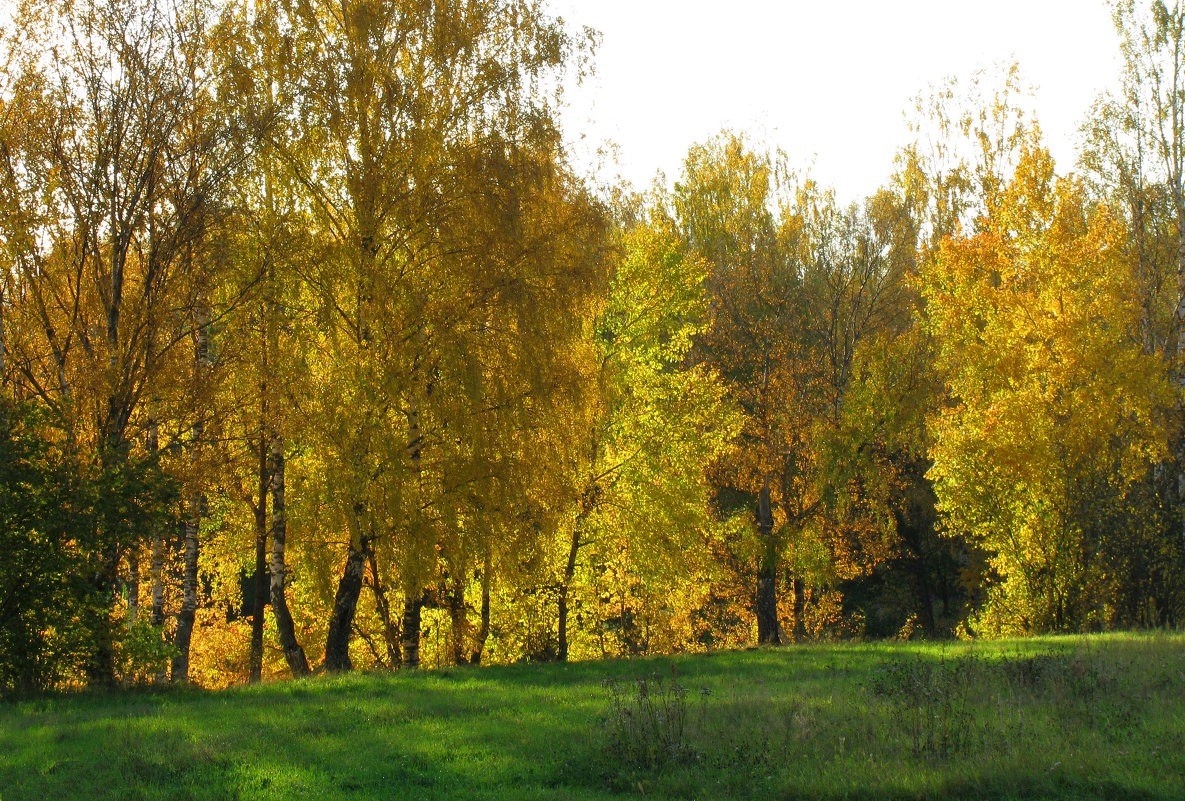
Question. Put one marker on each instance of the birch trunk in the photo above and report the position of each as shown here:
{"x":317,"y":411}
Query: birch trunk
{"x":298,"y":664}
{"x":197,"y":511}
{"x":459,"y":620}
{"x":411,"y":631}
{"x":189,"y":589}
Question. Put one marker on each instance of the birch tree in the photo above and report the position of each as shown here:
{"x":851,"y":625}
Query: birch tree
{"x":114,"y":158}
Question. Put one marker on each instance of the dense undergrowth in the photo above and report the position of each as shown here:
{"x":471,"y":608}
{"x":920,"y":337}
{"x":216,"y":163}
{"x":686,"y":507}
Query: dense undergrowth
{"x":1057,"y":718}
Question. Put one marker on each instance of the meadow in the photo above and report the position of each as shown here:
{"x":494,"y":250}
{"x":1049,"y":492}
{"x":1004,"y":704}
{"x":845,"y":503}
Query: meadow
{"x":1099,"y":717}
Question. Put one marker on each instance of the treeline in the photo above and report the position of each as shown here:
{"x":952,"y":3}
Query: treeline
{"x":316,"y":351}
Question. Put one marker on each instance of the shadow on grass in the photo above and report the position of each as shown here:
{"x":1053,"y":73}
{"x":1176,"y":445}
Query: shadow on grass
{"x":993,"y":789}
{"x":521,"y":731}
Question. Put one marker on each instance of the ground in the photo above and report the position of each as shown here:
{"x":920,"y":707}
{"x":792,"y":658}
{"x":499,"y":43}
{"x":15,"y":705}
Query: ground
{"x":1096,"y":717}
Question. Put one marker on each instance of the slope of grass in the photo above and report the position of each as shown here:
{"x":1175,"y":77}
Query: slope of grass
{"x":1057,"y":718}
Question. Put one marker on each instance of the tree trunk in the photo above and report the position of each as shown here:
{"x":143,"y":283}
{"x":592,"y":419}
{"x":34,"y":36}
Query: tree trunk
{"x":383,"y":605}
{"x":1179,"y":450}
{"x":158,"y":579}
{"x":921,"y":575}
{"x":766,"y":604}
{"x":345,"y":603}
{"x":411,"y":631}
{"x":569,"y":573}
{"x":459,"y":620}
{"x":197,"y":507}
{"x":100,"y":669}
{"x":298,"y":664}
{"x":156,"y":567}
{"x":133,"y":585}
{"x":768,"y":632}
{"x":3,"y":344}
{"x":189,"y":589}
{"x":262,"y":578}
{"x":799,"y":609}
{"x":1179,"y":360}
{"x":413,"y":597}
{"x":158,"y":590}
{"x":483,"y":633}
{"x":911,"y":534}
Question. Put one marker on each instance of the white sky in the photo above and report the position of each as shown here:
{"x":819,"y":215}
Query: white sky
{"x":825,"y":81}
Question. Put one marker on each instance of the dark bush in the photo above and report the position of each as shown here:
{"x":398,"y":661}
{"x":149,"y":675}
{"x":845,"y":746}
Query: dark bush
{"x":64,"y":525}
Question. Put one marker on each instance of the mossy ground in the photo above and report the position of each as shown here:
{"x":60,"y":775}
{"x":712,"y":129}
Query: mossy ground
{"x":1052,"y":718}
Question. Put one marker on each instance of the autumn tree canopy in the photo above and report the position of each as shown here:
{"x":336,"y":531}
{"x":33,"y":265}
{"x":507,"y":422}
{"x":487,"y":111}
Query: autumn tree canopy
{"x":318,"y":352}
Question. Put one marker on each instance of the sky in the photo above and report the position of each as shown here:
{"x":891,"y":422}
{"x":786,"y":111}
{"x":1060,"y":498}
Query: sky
{"x":827,"y":81}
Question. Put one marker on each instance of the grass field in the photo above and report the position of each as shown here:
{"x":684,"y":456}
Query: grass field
{"x":1056,"y":718}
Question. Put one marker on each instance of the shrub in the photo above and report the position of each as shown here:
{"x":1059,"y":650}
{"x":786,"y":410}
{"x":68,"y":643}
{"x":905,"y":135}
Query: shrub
{"x":647,"y":721}
{"x":141,"y":653}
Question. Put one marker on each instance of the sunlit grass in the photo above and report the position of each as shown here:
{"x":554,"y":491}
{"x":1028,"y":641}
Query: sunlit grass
{"x":1065,"y":718}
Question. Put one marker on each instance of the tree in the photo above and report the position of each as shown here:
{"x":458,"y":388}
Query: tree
{"x":1132,"y":159}
{"x":966,"y":137}
{"x":800,"y":290}
{"x":1053,"y":400}
{"x":641,"y":505}
{"x":1151,"y":112}
{"x":392,"y":96}
{"x":114,"y":159}
{"x":754,"y":341}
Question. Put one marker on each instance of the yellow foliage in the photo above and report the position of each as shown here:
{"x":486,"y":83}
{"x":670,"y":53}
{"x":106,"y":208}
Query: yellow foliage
{"x":1052,"y":399}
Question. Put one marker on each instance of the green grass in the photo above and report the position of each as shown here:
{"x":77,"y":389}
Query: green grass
{"x":1057,"y":718}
